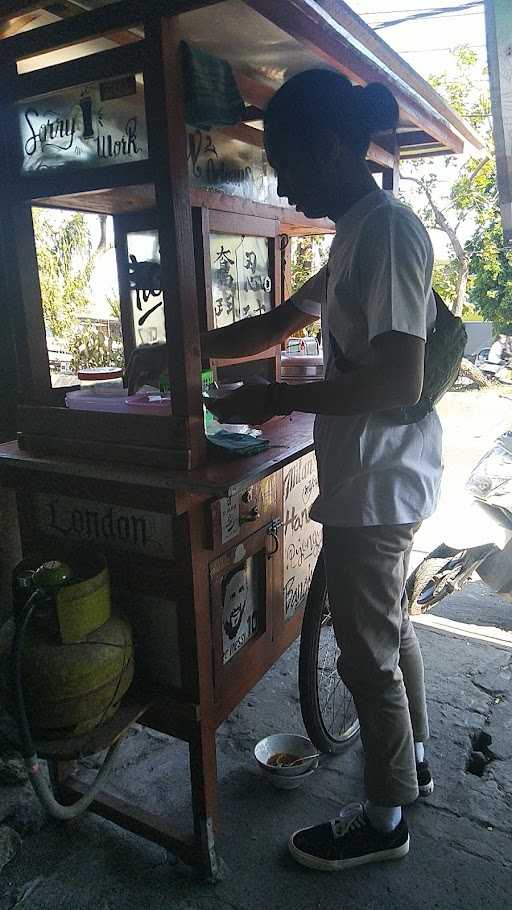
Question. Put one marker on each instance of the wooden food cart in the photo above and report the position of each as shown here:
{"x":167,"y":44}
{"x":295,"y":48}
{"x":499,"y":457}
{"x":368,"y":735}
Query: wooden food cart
{"x":210,"y":557}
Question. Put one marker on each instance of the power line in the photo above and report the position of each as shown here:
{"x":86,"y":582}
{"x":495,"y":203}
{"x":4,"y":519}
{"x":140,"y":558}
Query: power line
{"x":411,"y":9}
{"x":425,"y":50}
{"x":430,"y":14}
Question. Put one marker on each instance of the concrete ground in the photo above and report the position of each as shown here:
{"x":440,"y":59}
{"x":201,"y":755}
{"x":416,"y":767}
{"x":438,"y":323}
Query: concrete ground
{"x":461,"y":848}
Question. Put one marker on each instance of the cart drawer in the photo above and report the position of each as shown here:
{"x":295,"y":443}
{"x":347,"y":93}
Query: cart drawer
{"x":236,"y":517}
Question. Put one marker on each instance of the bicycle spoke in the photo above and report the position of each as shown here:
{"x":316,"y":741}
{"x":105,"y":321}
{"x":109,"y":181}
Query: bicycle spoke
{"x":335,"y":701}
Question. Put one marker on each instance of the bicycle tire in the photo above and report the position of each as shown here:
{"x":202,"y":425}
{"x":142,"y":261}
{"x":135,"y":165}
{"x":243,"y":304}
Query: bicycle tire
{"x":317,"y":728}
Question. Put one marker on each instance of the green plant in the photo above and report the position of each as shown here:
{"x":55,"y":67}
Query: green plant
{"x":90,"y":346}
{"x":66,"y":261}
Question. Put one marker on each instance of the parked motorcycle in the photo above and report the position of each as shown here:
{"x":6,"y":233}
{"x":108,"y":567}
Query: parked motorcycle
{"x":446,"y":569}
{"x":501,"y":371}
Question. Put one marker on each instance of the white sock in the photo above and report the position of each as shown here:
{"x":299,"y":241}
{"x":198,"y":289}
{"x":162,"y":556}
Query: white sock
{"x":419,"y":749}
{"x":385,"y":818}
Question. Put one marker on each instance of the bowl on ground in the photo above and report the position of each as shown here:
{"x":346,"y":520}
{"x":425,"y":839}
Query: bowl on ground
{"x":286,"y":744}
{"x":289,"y":783}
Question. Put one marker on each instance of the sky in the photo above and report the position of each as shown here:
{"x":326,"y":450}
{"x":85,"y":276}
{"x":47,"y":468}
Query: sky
{"x":427,"y":45}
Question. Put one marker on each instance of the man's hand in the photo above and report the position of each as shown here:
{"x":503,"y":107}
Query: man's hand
{"x":146,"y":364}
{"x":250,"y":404}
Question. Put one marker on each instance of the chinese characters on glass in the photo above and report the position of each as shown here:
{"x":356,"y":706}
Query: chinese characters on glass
{"x":241,"y":285}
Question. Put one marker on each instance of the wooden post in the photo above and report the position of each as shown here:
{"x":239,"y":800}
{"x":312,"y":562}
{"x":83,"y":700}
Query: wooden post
{"x":499,"y":43}
{"x":391,"y":175}
{"x":167,"y":143}
{"x":21,"y":274}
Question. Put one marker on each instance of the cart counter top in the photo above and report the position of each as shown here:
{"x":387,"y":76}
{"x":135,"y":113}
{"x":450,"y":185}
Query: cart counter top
{"x":222,"y":475}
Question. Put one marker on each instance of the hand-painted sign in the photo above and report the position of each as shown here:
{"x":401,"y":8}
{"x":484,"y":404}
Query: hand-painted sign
{"x":144,"y":279}
{"x":302,"y":536}
{"x":105,"y":525}
{"x":241,"y":613}
{"x":229,"y":518}
{"x":221,"y":164}
{"x":94,"y":125}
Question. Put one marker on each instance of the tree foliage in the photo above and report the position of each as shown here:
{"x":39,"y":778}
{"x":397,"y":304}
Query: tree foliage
{"x":308,"y":255}
{"x":468,"y":199}
{"x":93,"y":347}
{"x":491,"y":264}
{"x":66,"y":261}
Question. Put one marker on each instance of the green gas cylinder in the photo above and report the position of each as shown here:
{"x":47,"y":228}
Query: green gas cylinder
{"x":77,"y":657}
{"x":70,"y":689}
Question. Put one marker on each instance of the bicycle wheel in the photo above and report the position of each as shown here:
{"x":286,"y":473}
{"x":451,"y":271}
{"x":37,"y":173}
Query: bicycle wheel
{"x":328,"y":710}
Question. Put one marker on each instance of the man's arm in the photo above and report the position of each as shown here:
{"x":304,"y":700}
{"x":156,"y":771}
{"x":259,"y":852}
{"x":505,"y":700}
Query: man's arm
{"x":241,"y":339}
{"x":394,"y":379}
{"x":251,"y":336}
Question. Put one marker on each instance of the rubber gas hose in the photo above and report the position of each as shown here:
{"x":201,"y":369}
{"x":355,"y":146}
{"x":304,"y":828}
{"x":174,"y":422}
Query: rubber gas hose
{"x":32,"y":763}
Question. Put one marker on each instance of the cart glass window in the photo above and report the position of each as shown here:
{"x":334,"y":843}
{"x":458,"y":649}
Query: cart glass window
{"x":221,"y":163}
{"x":79,"y":292}
{"x":241,"y":283}
{"x":146,"y":295}
{"x":86,"y":126}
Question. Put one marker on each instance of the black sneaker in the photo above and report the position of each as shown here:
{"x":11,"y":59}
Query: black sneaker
{"x":349,"y":840}
{"x":425,"y":781}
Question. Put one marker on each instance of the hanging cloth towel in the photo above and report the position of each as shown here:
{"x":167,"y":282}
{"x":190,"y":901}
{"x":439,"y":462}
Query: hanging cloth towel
{"x":212,"y":97}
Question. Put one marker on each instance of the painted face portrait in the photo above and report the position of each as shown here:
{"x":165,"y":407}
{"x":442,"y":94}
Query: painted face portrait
{"x":235,"y":602}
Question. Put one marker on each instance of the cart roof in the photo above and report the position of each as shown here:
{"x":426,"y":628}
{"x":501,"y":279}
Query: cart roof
{"x":266,"y":41}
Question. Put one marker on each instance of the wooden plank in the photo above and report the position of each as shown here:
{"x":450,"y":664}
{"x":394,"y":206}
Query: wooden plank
{"x":171,"y":459}
{"x":415,"y":138}
{"x":132,"y":707}
{"x":248,"y":225}
{"x":286,"y":215}
{"x":221,"y":475}
{"x":61,"y":181}
{"x":166,"y":432}
{"x":132,"y":818}
{"x":119,"y":200}
{"x":380,"y":156}
{"x":309,"y":23}
{"x":12,"y":26}
{"x":101,"y":21}
{"x":499,"y":55}
{"x":11,"y":9}
{"x":113,"y":62}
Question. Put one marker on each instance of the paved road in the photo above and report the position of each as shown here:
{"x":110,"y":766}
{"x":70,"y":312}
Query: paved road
{"x":461,"y":855}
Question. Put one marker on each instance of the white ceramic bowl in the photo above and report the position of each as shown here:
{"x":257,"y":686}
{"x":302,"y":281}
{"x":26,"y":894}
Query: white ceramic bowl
{"x":291,"y":743}
{"x":289,"y":783}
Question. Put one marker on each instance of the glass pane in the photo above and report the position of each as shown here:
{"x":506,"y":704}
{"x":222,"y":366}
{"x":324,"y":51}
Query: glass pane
{"x":94,"y":125}
{"x":147,"y":299}
{"x":222,"y":164}
{"x":241,"y":284}
{"x":79,"y":291}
